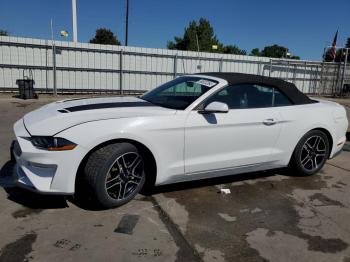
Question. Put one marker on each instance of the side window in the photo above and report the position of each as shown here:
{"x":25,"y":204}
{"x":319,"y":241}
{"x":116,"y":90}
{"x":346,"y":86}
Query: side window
{"x":281,"y":99}
{"x":249,"y":96}
{"x":262,"y":96}
{"x":225,"y":96}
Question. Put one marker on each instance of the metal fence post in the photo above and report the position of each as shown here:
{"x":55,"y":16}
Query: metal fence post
{"x":121,"y":72}
{"x":337,"y":80}
{"x":54,"y":68}
{"x":334,"y":82}
{"x":47,"y":49}
{"x":320,"y":87}
{"x":220,"y":64}
{"x":175,"y":66}
{"x":294,"y":73}
{"x":270,"y":71}
{"x":304,"y":76}
{"x":344,"y":71}
{"x":260,"y":69}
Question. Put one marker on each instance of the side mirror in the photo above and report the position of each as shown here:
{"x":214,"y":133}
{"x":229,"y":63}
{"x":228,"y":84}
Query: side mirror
{"x":215,"y":107}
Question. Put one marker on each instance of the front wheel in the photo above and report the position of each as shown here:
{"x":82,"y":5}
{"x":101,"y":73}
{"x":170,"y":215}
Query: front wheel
{"x":115,"y":174}
{"x":311,"y":153}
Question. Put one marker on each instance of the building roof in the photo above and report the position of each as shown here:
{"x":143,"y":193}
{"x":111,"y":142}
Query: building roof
{"x":287,"y":88}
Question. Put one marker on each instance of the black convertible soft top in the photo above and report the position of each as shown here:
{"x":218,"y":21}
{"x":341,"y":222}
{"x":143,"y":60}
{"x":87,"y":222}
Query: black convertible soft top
{"x":287,"y":88}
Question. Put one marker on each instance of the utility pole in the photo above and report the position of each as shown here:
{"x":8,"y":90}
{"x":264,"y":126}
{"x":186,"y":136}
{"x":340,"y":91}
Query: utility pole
{"x":127,"y":23}
{"x":74,"y":21}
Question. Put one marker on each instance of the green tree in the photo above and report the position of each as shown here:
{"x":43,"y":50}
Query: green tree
{"x":104,"y":36}
{"x":277,"y":51}
{"x":347,"y":45}
{"x":3,"y":32}
{"x":200,"y":36}
{"x":274,"y":51}
{"x":233,"y":49}
{"x":255,"y":52}
{"x":203,"y":32}
{"x":339,"y":55}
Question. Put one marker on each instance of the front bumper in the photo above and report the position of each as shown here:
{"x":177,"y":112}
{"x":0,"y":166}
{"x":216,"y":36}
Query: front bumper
{"x":23,"y":181}
{"x":44,"y":171}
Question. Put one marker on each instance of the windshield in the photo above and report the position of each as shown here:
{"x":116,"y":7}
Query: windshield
{"x":180,"y":92}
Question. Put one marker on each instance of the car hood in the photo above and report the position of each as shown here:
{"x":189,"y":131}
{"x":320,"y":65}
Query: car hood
{"x":55,"y":117}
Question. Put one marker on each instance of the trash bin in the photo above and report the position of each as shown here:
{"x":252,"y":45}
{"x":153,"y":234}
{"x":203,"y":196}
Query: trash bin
{"x":26,"y":86}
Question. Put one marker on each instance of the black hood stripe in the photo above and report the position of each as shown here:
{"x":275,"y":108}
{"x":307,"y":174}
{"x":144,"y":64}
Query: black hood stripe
{"x":107,"y":105}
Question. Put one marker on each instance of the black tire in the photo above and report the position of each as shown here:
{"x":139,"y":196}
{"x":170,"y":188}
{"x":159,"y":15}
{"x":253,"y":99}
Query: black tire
{"x":98,"y":170}
{"x":307,"y":159}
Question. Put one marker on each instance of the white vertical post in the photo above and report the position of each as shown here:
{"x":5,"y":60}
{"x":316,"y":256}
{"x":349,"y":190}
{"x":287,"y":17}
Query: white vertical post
{"x":121,"y":72}
{"x":53,"y":60}
{"x":74,"y":21}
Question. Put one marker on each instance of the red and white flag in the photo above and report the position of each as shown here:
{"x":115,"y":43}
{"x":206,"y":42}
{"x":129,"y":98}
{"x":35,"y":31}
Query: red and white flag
{"x":334,"y":46}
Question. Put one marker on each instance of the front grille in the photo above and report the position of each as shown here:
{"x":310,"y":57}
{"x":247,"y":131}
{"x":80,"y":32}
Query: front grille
{"x":17,"y":149}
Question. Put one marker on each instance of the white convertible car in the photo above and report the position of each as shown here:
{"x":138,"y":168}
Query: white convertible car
{"x":193,"y":127}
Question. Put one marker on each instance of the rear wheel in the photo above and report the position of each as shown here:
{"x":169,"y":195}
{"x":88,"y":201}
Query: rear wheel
{"x":311,"y":153}
{"x":115,"y":174}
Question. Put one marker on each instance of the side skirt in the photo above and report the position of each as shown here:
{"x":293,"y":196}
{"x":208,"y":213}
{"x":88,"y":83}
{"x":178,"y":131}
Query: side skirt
{"x":222,"y":172}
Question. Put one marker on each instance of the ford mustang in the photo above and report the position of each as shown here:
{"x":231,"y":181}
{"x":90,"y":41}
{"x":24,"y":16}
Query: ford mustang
{"x":193,"y":127}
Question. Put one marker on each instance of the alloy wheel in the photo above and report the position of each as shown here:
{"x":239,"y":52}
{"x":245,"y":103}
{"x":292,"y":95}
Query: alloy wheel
{"x":124,"y":176}
{"x":313,"y":153}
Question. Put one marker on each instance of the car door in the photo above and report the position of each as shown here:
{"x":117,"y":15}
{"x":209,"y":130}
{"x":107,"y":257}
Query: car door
{"x":241,"y":138}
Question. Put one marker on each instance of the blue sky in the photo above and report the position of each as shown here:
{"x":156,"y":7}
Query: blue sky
{"x":304,"y":26}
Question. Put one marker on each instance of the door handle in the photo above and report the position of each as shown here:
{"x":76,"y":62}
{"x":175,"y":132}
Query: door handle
{"x":269,"y":122}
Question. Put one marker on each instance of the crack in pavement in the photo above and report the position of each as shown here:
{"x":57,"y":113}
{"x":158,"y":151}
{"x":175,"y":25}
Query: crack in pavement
{"x":186,"y":252}
{"x":347,"y":170}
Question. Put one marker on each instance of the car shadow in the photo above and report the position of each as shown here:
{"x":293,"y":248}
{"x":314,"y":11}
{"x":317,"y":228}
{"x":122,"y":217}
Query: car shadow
{"x":24,"y":197}
{"x":81,"y":199}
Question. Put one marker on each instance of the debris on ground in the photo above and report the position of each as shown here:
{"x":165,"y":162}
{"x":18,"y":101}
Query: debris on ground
{"x":225,"y":191}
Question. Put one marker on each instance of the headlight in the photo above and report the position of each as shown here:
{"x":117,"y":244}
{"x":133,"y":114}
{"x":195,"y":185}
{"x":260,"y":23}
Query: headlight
{"x":51,"y":143}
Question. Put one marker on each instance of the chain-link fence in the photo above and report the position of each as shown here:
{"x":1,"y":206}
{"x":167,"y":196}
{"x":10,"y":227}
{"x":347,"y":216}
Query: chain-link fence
{"x":90,"y":68}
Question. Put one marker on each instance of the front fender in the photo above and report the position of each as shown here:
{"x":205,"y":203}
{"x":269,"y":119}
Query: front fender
{"x":163,"y":136}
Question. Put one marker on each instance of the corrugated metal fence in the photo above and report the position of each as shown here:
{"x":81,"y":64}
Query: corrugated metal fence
{"x":82,"y":67}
